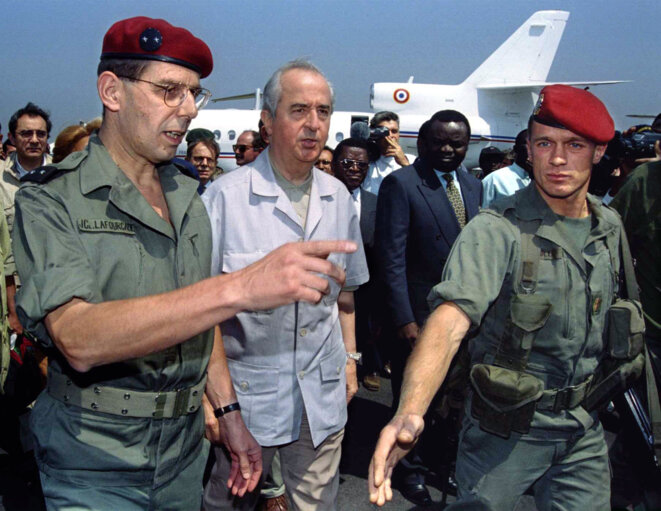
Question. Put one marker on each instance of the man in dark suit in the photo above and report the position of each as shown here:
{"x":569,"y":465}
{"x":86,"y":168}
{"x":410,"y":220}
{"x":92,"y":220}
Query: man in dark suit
{"x":421,"y":210}
{"x":349,"y":164}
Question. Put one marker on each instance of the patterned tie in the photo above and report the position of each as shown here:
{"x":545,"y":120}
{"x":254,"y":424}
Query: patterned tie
{"x":455,"y":199}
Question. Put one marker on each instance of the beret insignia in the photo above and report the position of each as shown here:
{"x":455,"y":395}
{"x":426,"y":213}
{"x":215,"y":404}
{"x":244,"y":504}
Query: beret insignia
{"x":151,"y":39}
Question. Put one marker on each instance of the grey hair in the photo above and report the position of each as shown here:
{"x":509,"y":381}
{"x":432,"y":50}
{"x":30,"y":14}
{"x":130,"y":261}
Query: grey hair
{"x":273,"y":88}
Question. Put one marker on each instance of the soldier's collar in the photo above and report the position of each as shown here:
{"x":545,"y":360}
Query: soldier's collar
{"x":102,"y":169}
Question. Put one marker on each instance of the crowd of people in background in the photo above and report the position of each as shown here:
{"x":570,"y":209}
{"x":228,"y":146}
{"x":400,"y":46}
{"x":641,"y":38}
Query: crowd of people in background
{"x":404,"y":211}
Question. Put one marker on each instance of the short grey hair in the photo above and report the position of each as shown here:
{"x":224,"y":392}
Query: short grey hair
{"x":273,"y":88}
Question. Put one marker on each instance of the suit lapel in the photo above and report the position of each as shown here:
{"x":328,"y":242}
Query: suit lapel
{"x":367,"y":214}
{"x":434,"y":195}
{"x":470,"y":193}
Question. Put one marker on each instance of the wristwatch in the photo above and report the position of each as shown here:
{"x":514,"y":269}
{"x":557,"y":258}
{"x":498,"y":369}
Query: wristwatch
{"x":357,"y":356}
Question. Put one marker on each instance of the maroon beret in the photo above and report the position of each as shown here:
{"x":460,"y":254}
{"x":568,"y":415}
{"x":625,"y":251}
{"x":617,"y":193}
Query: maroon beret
{"x":144,"y":38}
{"x":574,"y":109}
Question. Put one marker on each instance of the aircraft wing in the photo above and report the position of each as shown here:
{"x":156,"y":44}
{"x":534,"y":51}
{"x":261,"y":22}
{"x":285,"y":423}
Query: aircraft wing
{"x":534,"y":86}
{"x":250,"y":95}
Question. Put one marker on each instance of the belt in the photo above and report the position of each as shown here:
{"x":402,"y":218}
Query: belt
{"x":127,"y":402}
{"x":564,"y":399}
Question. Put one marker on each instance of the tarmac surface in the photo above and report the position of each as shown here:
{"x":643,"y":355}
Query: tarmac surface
{"x":368,"y":413}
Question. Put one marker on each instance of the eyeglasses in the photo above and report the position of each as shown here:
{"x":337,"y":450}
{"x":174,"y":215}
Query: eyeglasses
{"x":28,"y":134}
{"x":202,"y":160}
{"x":241,"y":148}
{"x":323,"y":162}
{"x":176,"y":93}
{"x":361,"y":165}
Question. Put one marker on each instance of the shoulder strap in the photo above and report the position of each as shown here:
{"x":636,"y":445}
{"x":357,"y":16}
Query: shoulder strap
{"x":44,"y":174}
{"x":516,"y":343}
{"x":530,"y":257}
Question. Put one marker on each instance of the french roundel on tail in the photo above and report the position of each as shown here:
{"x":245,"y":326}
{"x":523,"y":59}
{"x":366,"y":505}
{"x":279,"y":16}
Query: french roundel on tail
{"x":401,"y":96}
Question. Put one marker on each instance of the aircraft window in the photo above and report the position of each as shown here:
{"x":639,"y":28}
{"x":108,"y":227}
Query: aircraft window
{"x":339,"y":136}
{"x":231,"y":134}
{"x":216,"y":134}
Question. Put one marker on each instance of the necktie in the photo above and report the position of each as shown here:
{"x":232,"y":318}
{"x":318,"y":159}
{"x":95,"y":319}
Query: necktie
{"x":455,"y":199}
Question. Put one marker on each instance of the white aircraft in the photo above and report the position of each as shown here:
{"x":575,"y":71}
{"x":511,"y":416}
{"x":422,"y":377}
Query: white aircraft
{"x":497,"y":98}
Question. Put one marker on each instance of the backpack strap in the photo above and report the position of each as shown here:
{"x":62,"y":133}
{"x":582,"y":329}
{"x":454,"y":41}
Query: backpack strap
{"x":516,"y":343}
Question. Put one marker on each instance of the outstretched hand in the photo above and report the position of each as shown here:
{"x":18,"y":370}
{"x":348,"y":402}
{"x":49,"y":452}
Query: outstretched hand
{"x":293,"y":272}
{"x":395,"y":441}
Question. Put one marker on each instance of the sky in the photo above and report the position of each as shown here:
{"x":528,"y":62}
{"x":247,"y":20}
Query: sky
{"x":51,"y":48}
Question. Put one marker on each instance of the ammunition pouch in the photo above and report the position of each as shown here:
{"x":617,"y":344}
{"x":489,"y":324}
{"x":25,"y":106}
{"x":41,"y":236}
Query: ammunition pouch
{"x":626,"y":330}
{"x":505,"y":395}
{"x":624,"y":360}
{"x":504,"y":399}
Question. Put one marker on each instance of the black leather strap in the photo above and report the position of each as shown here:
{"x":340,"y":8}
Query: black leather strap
{"x":233,"y":407}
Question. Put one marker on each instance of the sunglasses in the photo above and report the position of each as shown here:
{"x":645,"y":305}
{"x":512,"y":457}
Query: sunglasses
{"x":347,"y":164}
{"x":241,"y":148}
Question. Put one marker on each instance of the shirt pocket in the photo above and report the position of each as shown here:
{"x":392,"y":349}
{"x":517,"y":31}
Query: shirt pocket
{"x":234,"y":261}
{"x":119,"y":263}
{"x":331,"y":298}
{"x":256,"y":387}
{"x":331,"y":403}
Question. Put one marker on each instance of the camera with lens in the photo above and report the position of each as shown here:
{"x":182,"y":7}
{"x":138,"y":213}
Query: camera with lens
{"x":637,"y":145}
{"x":379,"y":132}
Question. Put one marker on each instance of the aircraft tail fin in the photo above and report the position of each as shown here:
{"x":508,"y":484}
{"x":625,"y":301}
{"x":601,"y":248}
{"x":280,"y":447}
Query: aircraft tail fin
{"x":526,"y":56}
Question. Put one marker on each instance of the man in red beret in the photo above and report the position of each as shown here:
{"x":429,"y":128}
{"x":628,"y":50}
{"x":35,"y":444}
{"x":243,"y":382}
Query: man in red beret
{"x":114,"y":250}
{"x":531,"y":283}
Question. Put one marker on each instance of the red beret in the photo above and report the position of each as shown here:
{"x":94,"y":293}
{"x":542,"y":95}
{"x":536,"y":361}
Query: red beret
{"x":144,"y":38}
{"x":574,"y":109}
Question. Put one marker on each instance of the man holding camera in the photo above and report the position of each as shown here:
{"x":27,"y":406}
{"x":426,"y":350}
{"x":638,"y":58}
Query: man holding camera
{"x":535,"y":280}
{"x":384,"y":130}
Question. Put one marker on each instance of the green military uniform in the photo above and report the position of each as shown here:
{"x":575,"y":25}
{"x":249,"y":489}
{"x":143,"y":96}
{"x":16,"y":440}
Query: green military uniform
{"x":6,"y":268}
{"x":639,"y":204}
{"x":88,"y":233}
{"x":564,"y":453}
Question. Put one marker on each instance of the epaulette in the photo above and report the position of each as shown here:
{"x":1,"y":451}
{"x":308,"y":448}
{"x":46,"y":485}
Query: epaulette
{"x":44,"y":174}
{"x":47,"y":173}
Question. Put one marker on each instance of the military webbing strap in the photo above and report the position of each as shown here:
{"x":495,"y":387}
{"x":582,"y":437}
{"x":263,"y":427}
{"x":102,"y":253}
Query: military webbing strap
{"x":127,"y":402}
{"x":515,"y":343}
{"x":631,"y":287}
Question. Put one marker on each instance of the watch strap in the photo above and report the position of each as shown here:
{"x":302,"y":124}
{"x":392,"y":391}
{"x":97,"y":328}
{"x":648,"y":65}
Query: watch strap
{"x":233,"y":407}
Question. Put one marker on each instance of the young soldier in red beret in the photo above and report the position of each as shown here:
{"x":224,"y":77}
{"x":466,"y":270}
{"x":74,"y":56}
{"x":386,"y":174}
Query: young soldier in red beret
{"x":532,"y":279}
{"x":113,"y":246}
